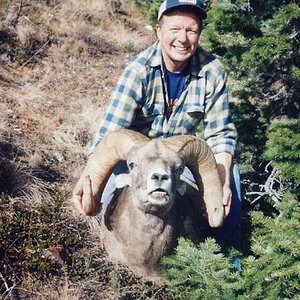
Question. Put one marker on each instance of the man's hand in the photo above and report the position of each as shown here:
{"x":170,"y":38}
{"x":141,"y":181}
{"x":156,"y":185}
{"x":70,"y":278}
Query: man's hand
{"x":83,"y":197}
{"x":224,"y":161}
{"x":227,"y":197}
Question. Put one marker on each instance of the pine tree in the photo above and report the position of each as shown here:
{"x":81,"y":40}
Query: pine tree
{"x":259,"y":42}
{"x":272,"y":271}
{"x":200,"y":272}
{"x":283,"y":150}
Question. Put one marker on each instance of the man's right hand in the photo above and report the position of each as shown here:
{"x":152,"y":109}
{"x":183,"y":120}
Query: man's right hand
{"x":83,"y":197}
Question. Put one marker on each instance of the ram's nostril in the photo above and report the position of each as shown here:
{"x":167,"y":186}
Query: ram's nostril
{"x":155,"y":176}
{"x":165,"y":177}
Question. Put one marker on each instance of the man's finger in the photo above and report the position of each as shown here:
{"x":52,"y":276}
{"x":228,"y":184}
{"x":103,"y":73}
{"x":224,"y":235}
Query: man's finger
{"x":87,"y":190}
{"x":78,"y":189}
{"x":77,"y":195}
{"x":226,"y":209}
{"x":227,"y":200}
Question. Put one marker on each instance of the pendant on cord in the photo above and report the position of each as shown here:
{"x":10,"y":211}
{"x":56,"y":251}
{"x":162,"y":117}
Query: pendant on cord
{"x":170,"y":107}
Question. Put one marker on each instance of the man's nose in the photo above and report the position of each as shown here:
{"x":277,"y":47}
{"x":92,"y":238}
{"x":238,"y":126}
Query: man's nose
{"x":182,"y":36}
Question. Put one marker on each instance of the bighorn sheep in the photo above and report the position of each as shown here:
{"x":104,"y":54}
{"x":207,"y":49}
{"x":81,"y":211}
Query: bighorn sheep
{"x":146,"y":217}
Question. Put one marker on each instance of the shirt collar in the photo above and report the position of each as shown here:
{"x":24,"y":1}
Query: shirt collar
{"x":155,"y":57}
{"x":196,"y":63}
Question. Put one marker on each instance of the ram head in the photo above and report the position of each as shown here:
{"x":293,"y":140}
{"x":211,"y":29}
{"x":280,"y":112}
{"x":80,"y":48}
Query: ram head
{"x":144,"y":219}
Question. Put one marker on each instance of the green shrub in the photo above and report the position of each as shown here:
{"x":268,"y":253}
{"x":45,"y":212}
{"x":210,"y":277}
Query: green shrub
{"x":283,"y":150}
{"x":271,"y":272}
{"x":200,"y":272}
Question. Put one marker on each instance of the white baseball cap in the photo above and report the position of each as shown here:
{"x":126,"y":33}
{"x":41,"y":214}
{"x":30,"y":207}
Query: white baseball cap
{"x":170,"y":4}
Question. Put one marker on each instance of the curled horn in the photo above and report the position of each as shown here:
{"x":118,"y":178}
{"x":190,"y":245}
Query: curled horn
{"x":114,"y":148}
{"x":198,"y":157}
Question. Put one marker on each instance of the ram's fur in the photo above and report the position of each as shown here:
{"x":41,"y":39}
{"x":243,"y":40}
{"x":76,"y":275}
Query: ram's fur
{"x":155,"y":204}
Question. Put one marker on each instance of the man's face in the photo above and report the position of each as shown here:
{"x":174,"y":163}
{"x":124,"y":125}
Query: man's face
{"x":179,"y":34}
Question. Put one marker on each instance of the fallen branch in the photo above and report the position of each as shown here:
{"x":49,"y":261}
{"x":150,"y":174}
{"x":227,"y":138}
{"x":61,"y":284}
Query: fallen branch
{"x":9,"y":290}
{"x":15,"y":21}
{"x":5,"y":283}
{"x":35,"y":54}
{"x":268,"y":189}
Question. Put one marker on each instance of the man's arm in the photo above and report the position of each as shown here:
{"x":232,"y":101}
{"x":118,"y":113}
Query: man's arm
{"x":220,"y":132}
{"x":120,"y":113}
{"x":124,"y":101}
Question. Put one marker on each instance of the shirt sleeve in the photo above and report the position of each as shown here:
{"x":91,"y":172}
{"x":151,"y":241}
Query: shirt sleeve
{"x":124,"y":101}
{"x":219,"y":130}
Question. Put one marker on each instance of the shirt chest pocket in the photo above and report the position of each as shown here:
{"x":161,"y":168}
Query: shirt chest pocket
{"x":192,"y":115}
{"x":148,"y":116}
{"x":194,"y":110}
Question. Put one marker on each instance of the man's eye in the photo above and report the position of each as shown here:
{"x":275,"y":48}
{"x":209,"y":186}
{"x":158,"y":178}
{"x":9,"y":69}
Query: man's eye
{"x":192,"y":32}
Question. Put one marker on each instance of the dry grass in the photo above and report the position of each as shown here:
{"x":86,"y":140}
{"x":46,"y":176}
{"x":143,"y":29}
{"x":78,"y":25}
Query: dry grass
{"x":59,"y":61}
{"x":63,"y":88}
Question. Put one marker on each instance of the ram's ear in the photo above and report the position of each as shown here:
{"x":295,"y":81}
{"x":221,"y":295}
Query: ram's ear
{"x":181,"y":188}
{"x":123,"y":180}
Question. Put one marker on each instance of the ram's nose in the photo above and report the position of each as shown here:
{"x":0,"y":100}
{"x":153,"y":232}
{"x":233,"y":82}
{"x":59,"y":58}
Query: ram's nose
{"x":159,"y":177}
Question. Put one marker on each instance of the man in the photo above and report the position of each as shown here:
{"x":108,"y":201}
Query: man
{"x":169,"y":89}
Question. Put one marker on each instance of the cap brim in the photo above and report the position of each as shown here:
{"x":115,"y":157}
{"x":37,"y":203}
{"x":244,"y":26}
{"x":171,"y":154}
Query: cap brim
{"x":200,"y":11}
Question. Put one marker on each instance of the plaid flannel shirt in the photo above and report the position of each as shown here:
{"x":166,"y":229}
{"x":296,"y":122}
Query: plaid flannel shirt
{"x":139,"y":101}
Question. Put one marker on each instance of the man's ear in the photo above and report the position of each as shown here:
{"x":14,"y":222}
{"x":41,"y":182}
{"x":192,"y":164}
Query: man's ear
{"x":158,"y":31}
{"x":123,"y":180}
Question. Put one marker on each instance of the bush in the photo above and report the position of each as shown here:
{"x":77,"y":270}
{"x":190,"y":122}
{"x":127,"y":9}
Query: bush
{"x":283,"y":150}
{"x":200,"y":272}
{"x":271,"y":272}
{"x":258,"y":42}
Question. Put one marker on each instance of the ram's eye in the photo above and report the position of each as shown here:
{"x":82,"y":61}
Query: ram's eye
{"x":180,"y":170}
{"x":131,"y":165}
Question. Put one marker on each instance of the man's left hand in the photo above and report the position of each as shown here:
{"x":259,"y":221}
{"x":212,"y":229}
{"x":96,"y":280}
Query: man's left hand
{"x":227,"y":196}
{"x":224,"y":161}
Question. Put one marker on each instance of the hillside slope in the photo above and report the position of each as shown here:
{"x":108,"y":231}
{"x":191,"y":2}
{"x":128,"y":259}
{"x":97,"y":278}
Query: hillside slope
{"x":59,"y":62}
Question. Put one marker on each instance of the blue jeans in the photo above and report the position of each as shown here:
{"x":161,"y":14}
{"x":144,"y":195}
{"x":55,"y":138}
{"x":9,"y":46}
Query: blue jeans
{"x":228,"y":235}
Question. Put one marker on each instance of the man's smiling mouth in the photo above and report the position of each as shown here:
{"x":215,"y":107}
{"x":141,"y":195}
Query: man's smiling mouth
{"x":181,"y":48}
